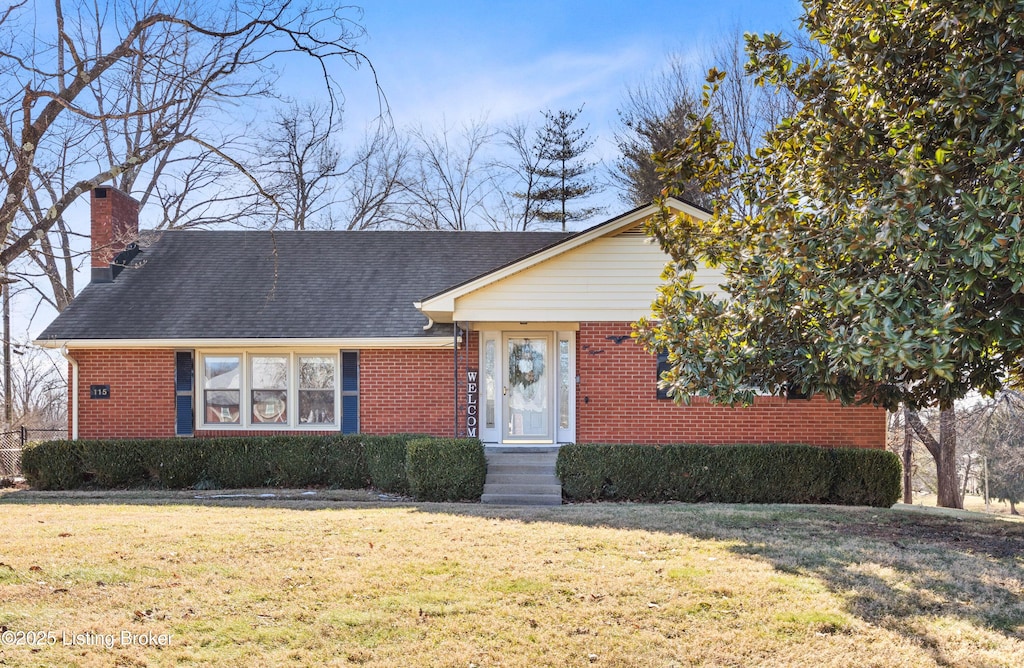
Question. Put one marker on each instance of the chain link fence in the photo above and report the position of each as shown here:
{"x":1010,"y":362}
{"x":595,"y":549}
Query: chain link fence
{"x":13,"y":442}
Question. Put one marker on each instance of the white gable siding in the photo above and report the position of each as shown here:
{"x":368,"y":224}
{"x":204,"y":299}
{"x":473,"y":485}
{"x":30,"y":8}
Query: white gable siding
{"x":610,"y":279}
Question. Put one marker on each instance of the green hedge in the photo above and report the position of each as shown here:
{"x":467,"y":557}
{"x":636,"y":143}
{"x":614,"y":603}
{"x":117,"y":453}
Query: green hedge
{"x":348,"y":462}
{"x":729,"y":474}
{"x":385,"y":461}
{"x":446,"y":469}
{"x":182,"y":463}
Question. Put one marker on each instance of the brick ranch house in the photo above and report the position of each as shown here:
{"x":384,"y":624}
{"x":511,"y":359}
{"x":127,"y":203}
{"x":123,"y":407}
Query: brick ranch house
{"x":519,"y":338}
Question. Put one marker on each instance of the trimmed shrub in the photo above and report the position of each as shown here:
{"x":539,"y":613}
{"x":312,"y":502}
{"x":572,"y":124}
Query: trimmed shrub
{"x":344,"y":461}
{"x":179,"y":463}
{"x":53,"y":465}
{"x":778,"y":473}
{"x":866,"y":477}
{"x":175,"y":464}
{"x":446,"y":469}
{"x":111,"y":464}
{"x":385,"y":461}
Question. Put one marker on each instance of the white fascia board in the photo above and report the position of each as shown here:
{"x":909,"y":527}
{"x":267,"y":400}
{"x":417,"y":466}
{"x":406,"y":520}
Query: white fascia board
{"x":441,"y":308}
{"x":353,"y":343}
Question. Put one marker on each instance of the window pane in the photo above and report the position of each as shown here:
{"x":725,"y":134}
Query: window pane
{"x":221,"y":380}
{"x":222,"y":406}
{"x":221,"y":373}
{"x":316,"y":389}
{"x":269,"y":406}
{"x":316,"y":373}
{"x":563,"y":384}
{"x":489,"y":384}
{"x":269,"y":373}
{"x":316,"y":406}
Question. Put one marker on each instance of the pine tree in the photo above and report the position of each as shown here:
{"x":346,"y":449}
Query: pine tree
{"x":562,"y":169}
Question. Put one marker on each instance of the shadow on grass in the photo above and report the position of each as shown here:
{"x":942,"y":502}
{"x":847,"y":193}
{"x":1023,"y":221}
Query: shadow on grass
{"x":896,"y":569}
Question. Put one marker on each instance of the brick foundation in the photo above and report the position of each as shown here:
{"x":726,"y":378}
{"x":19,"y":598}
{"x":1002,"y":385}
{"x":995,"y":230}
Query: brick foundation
{"x":616,"y":403}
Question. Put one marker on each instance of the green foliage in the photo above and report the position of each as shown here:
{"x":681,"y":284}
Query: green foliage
{"x":562,"y":170}
{"x":729,"y":474}
{"x":53,"y":465}
{"x":112,"y":464}
{"x":278,"y":461}
{"x":345,"y":465}
{"x":175,"y":464}
{"x":872,"y":249}
{"x":385,"y":461}
{"x":446,"y":469}
{"x":885,"y":260}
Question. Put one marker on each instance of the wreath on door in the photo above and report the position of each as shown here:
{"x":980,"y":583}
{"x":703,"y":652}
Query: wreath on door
{"x":525,"y":364}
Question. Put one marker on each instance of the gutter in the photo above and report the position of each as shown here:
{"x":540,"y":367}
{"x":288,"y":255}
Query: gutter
{"x":74,"y":391}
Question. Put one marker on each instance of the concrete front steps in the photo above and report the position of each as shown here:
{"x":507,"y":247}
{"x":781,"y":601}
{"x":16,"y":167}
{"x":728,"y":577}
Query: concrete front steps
{"x":522,"y":476}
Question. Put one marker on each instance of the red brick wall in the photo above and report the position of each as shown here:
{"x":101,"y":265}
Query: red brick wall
{"x":115,"y":224}
{"x":141,"y":403}
{"x":616,"y":404}
{"x":411,"y":390}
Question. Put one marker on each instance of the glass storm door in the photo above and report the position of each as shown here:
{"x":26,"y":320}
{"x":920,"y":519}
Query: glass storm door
{"x":527,"y":388}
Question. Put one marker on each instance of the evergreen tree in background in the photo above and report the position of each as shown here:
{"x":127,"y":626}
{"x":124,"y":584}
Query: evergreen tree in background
{"x":562,"y":169}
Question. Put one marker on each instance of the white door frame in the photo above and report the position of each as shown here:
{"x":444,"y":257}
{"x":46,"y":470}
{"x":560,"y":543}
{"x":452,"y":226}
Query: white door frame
{"x":562,"y":379}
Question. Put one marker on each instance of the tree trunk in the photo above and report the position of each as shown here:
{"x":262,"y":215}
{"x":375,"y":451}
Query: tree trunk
{"x":908,"y":458}
{"x":943,"y":451}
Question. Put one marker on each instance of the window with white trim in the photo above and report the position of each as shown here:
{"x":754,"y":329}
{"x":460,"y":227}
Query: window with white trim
{"x":221,"y":389}
{"x":316,"y":389}
{"x":279,"y":390}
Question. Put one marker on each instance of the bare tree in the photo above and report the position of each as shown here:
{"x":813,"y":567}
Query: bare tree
{"x":125,"y":92}
{"x":520,"y":204}
{"x":301,"y":165}
{"x":38,"y":389}
{"x":373,"y":187}
{"x":655,"y":114}
{"x":658,"y":112}
{"x":449,"y":184}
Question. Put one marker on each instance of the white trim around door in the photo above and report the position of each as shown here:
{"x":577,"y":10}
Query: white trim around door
{"x":527,"y":387}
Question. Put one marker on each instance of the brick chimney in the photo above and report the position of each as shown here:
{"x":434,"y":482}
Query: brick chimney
{"x":115,"y":224}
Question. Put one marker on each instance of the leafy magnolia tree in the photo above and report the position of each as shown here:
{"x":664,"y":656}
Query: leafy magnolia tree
{"x":884,"y":260}
{"x":563,"y":169}
{"x":126,"y":93}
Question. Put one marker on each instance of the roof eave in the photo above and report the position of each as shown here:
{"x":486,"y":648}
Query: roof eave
{"x":279,"y":342}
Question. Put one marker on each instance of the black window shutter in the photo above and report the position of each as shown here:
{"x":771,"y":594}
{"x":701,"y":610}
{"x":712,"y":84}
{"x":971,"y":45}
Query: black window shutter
{"x":663,"y":366}
{"x":183,"y":390}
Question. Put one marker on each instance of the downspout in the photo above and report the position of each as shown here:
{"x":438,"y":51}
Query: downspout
{"x":74,"y":391}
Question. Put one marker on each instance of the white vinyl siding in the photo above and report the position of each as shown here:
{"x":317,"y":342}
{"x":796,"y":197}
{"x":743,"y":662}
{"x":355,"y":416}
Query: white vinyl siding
{"x":610,"y":279}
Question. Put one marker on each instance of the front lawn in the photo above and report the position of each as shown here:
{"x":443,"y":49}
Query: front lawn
{"x":304,"y":580}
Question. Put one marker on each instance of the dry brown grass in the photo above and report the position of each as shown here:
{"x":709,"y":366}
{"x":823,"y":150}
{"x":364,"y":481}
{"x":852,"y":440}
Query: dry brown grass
{"x":301,"y":581}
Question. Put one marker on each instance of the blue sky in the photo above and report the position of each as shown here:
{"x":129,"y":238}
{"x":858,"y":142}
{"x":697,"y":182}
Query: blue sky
{"x":451,"y":61}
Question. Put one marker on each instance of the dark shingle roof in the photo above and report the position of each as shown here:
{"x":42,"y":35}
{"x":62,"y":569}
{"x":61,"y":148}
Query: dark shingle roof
{"x":239,"y":284}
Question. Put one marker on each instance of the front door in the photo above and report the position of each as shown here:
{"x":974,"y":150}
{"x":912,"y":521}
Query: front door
{"x":528,"y":388}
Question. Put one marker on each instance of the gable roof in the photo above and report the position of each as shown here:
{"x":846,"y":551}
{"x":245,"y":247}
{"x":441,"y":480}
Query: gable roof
{"x":441,"y":305}
{"x":246,"y":286}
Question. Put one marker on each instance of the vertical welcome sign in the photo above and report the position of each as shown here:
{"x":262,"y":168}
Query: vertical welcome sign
{"x":472,"y":407}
